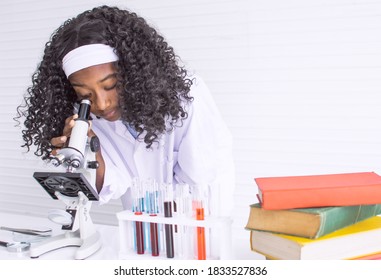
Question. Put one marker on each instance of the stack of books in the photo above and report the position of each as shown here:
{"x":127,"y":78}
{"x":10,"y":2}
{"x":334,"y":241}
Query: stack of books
{"x":317,"y":217}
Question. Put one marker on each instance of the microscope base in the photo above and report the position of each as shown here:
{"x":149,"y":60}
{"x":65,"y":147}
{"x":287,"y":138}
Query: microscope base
{"x":87,"y":246}
{"x":90,"y":245}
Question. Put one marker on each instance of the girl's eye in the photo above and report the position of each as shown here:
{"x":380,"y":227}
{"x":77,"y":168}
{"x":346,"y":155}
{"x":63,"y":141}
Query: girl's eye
{"x":111,"y":87}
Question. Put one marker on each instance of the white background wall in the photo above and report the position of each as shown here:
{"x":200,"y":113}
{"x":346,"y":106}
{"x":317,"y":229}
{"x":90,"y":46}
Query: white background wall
{"x":297,"y":81}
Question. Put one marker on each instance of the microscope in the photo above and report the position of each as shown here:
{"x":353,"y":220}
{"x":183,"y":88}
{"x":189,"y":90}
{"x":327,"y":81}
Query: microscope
{"x":75,"y":187}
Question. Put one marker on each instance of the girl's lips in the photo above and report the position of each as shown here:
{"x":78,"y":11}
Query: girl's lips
{"x":112,"y":115}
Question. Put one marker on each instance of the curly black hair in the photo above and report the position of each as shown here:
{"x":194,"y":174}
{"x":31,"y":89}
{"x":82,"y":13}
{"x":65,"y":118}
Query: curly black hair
{"x":152,"y":86}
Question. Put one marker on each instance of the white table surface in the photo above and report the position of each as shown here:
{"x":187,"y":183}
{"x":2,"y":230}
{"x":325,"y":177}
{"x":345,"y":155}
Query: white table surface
{"x":109,"y":238}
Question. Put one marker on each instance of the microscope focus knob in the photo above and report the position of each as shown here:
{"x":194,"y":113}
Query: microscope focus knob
{"x":94,"y":144}
{"x":75,"y":163}
{"x":92,"y":164}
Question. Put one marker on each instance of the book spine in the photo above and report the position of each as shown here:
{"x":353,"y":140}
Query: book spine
{"x":340,"y":217}
{"x":323,"y":197}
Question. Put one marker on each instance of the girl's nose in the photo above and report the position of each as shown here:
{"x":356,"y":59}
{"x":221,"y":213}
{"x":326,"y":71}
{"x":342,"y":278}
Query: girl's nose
{"x":101,"y":102}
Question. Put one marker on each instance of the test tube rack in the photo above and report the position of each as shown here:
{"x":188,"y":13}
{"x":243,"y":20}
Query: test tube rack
{"x":220,"y":228}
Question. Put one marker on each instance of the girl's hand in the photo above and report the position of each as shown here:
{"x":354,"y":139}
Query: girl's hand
{"x":60,"y":141}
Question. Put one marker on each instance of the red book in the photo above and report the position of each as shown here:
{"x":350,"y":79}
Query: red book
{"x":376,"y":256}
{"x":344,"y":189}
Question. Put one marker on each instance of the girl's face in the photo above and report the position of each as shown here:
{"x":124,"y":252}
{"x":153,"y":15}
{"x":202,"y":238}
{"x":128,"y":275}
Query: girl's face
{"x":98,"y":84}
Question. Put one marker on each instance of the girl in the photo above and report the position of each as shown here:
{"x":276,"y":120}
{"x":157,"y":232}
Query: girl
{"x":144,"y":107}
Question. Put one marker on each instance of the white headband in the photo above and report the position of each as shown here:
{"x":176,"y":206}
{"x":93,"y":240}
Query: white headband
{"x":86,"y":56}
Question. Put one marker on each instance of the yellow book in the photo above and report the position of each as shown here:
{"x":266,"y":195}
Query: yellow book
{"x":360,"y":239}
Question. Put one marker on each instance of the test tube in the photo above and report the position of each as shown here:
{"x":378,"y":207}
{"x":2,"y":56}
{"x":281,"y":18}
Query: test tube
{"x":137,"y":208}
{"x":201,"y":250}
{"x":168,"y":214}
{"x":154,"y":236}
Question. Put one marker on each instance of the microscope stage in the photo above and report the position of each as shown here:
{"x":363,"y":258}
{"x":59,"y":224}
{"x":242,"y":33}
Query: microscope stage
{"x":66,"y":183}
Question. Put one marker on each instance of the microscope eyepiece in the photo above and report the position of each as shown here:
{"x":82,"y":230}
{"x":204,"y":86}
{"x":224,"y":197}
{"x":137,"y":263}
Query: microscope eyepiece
{"x":84,"y":109}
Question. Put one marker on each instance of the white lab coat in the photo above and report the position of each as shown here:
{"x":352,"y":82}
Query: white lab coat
{"x":202,"y":154}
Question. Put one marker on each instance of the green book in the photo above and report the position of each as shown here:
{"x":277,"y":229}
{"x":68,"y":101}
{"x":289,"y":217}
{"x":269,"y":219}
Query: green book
{"x":309,"y":222}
